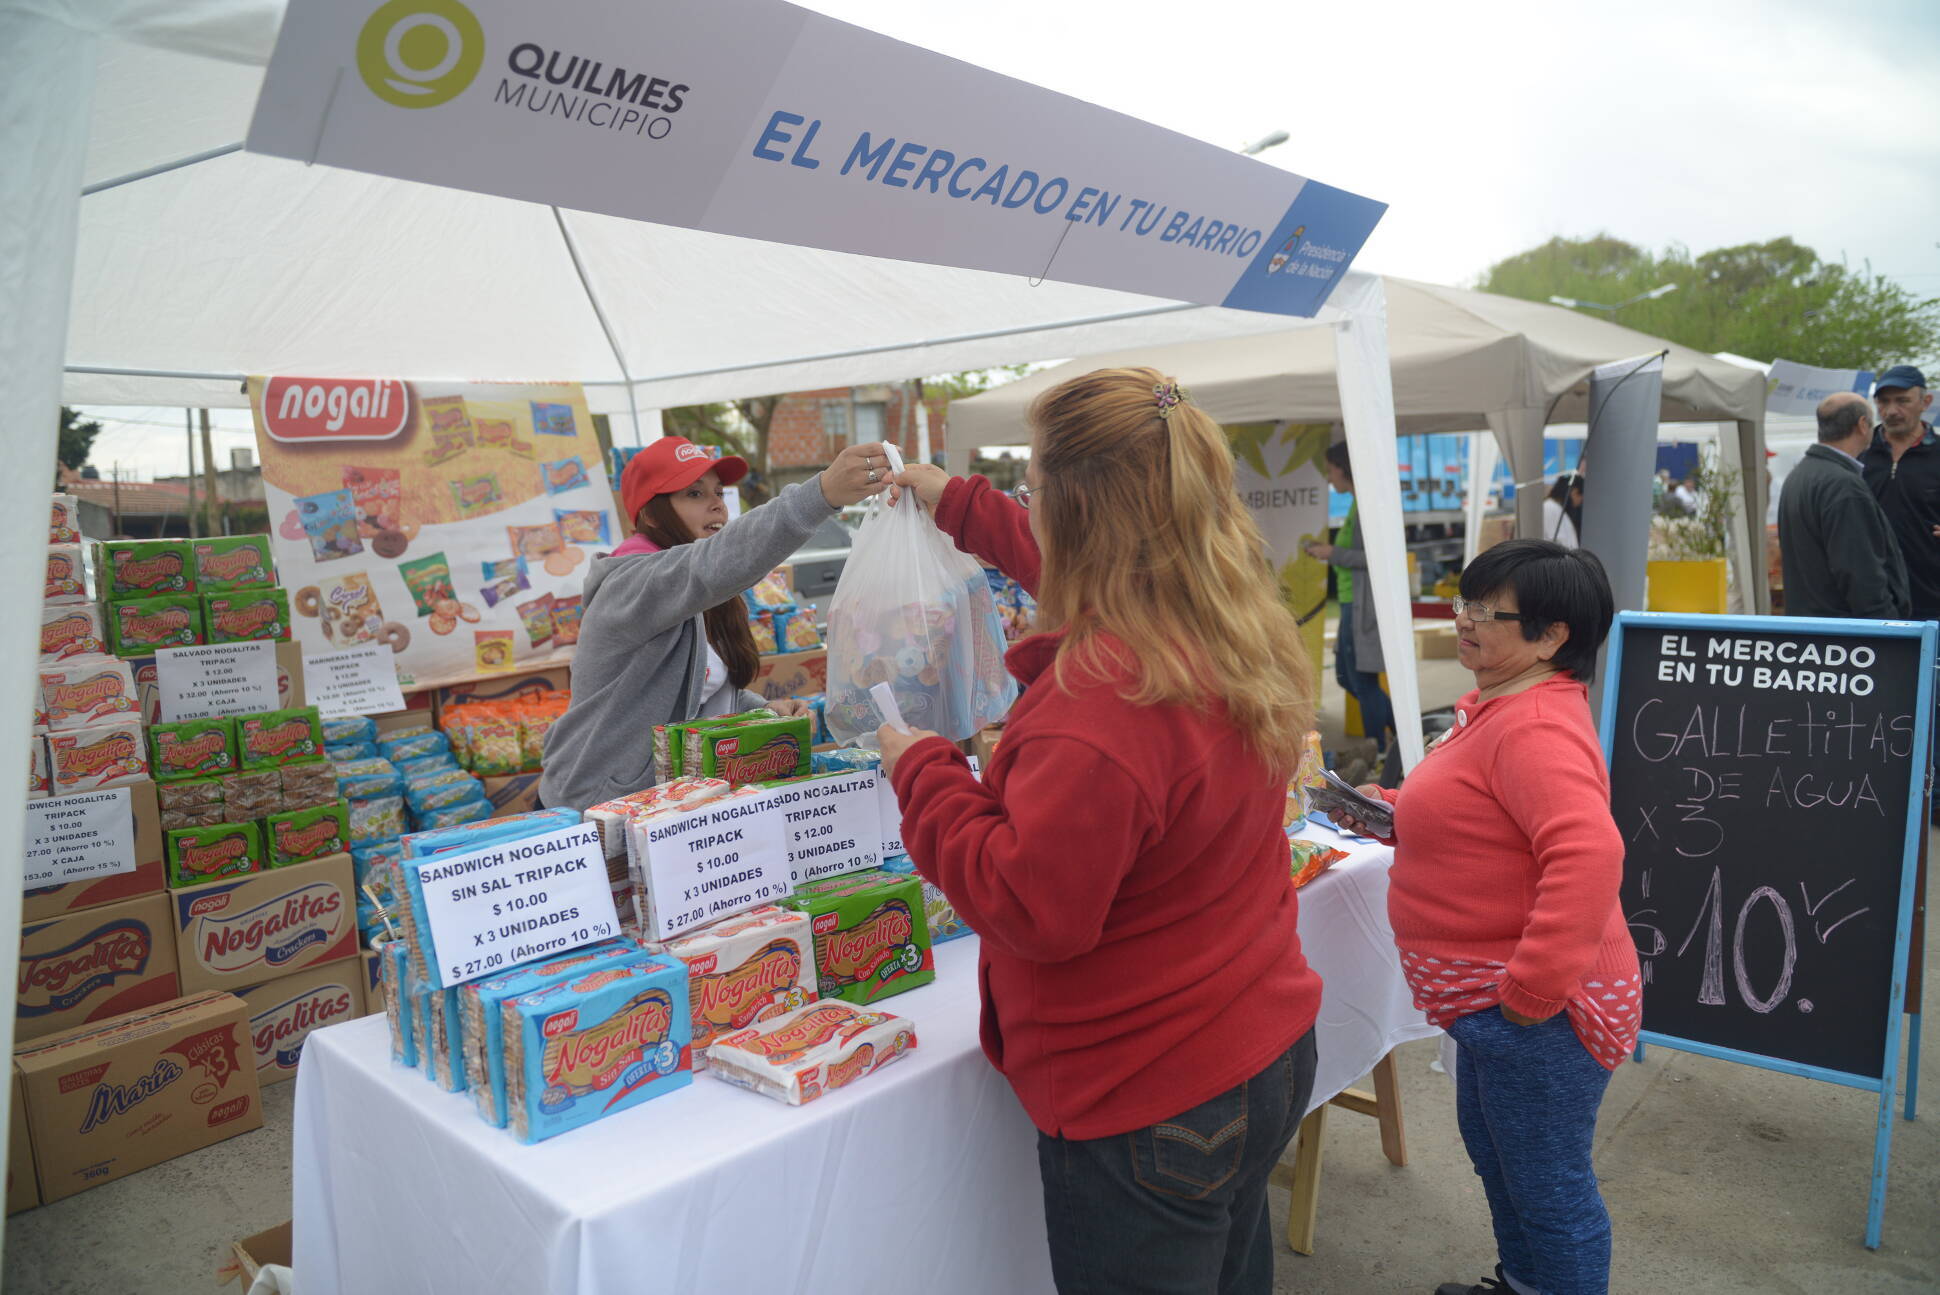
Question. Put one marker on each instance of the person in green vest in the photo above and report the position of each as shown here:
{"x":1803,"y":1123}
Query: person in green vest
{"x":1358,"y":662}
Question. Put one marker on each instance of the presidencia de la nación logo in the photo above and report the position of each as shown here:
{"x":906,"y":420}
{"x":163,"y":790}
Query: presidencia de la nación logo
{"x":420,"y":53}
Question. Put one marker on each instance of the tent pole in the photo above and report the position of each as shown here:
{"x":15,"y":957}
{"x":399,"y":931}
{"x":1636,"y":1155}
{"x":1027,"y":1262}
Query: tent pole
{"x":592,"y":299}
{"x":161,"y":169}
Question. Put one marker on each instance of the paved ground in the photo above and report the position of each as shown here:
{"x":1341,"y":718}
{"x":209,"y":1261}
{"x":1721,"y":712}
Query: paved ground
{"x":1721,"y":1179}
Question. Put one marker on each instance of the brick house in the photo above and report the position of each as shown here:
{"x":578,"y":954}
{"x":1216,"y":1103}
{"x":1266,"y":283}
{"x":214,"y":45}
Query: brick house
{"x":811,"y":427}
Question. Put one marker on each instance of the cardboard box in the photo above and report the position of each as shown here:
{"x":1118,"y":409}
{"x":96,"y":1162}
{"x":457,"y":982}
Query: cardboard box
{"x":90,"y":965}
{"x":1435,"y":642}
{"x":517,"y":794}
{"x":284,"y":1011}
{"x":150,"y":878}
{"x":792,"y":674}
{"x":117,"y":1097}
{"x":984,"y":744}
{"x":373,"y":981}
{"x":417,"y":713}
{"x":23,"y":1190}
{"x":233,"y":934}
{"x":250,"y":1255}
{"x":289,"y":674}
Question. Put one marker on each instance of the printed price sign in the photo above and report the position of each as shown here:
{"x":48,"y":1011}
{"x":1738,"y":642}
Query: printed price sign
{"x":719,"y":859}
{"x":70,"y":838}
{"x":216,"y":679}
{"x":834,"y":826}
{"x":357,"y":681}
{"x":892,"y":813}
{"x":504,"y":904}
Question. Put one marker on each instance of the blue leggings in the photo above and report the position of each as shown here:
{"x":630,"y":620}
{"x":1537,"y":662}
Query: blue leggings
{"x":1526,"y":1099}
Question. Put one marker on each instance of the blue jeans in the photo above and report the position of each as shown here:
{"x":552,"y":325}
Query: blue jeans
{"x":1377,"y":712}
{"x":1526,"y":1100}
{"x":1179,"y":1206}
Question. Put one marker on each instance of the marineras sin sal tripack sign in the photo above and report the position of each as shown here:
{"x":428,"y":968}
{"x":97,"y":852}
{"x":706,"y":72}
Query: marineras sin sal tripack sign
{"x":764,"y":120}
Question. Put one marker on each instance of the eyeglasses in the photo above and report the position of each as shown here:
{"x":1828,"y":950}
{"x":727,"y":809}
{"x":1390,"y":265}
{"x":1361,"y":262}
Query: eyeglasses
{"x":1482,"y":612}
{"x":1022,"y":494}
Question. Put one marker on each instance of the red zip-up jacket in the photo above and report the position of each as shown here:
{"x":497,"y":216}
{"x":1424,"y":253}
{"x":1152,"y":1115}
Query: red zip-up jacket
{"x":1126,"y":869}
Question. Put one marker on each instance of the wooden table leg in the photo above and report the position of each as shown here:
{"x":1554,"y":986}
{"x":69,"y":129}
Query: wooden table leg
{"x":1305,"y":1182}
{"x":1387,"y":1098}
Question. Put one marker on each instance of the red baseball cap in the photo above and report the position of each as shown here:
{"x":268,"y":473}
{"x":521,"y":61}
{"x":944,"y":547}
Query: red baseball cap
{"x":669,"y":464}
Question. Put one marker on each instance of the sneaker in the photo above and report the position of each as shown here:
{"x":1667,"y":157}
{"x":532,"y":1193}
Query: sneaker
{"x":1483,"y":1287}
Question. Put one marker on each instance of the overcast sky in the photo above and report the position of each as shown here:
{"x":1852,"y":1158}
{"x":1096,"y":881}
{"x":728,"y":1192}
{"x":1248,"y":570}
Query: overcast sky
{"x":1487,"y":129}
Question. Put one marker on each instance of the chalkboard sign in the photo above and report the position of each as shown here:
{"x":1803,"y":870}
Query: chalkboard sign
{"x":1767,"y":775}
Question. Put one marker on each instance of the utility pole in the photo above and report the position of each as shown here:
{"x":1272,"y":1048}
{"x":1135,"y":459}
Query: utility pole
{"x":188,"y":425}
{"x":212,"y":505}
{"x":118,"y":531}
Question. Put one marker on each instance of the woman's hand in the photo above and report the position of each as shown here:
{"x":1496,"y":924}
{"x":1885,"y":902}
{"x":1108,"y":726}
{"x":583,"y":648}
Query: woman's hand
{"x":1514,"y":1017}
{"x":1353,"y":826}
{"x":895,"y":742}
{"x":924,"y":480}
{"x":1324,"y":552}
{"x":788,"y":707}
{"x":857,"y":473}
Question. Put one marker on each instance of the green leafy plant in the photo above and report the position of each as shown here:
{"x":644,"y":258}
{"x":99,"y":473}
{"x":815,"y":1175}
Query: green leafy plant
{"x":1705,"y":534}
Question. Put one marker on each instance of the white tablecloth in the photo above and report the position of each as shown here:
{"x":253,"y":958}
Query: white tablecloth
{"x":922,"y":1177}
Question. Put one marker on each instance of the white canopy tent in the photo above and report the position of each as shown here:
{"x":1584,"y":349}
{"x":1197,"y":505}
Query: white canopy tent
{"x":188,"y":264}
{"x":1461,"y":361}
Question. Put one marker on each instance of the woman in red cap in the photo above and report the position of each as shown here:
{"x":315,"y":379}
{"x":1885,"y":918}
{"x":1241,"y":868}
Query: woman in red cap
{"x":664,"y":635}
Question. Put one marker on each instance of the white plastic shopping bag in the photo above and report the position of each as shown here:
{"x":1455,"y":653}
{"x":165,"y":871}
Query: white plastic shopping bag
{"x":913,"y":612}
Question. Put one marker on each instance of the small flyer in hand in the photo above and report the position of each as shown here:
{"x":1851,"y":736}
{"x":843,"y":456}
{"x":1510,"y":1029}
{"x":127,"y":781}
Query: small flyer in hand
{"x":1337,"y":799}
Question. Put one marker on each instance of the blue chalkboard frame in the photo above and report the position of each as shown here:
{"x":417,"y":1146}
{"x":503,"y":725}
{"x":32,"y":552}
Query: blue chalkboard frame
{"x":1886,"y":1084}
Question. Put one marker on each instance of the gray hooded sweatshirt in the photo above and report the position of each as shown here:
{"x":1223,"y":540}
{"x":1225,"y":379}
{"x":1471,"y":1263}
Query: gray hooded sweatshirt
{"x":641,"y":660}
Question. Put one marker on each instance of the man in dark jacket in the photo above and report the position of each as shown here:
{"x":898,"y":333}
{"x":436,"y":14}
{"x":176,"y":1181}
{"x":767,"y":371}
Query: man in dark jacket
{"x":1840,"y":555}
{"x":1903,"y":468}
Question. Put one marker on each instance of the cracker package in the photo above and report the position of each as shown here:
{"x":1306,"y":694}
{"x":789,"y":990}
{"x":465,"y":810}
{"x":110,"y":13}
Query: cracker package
{"x":300,"y":835}
{"x":494,"y":433}
{"x":583,"y":525}
{"x":40,"y":776}
{"x":222,"y":563}
{"x":590,"y":1047}
{"x":872,"y":938}
{"x":429,"y":580}
{"x":87,"y":690}
{"x":670,"y":759}
{"x":199,"y":854}
{"x":138,"y":626}
{"x":70,"y":574}
{"x":476,"y":495}
{"x":195,"y":748}
{"x":481,"y":1007}
{"x":246,"y":616}
{"x":190,"y":793}
{"x":945,"y":923}
{"x":251,"y":794}
{"x":537,"y":616}
{"x":64,"y":520}
{"x":145,"y":568}
{"x":348,"y":607}
{"x":553,"y":419}
{"x":309,"y":784}
{"x":680,"y":793}
{"x":330,"y":521}
{"x":279,"y":737}
{"x":376,"y":495}
{"x":762,"y":626}
{"x":70,"y":630}
{"x":535,"y":542}
{"x":504,"y":581}
{"x":109,"y":754}
{"x":450,"y":425}
{"x":797,"y":1057}
{"x":754,"y":751}
{"x":380,"y":818}
{"x":745,"y":969}
{"x":562,"y":475}
{"x":396,"y":964}
{"x":493,"y":651}
{"x":565,"y":619}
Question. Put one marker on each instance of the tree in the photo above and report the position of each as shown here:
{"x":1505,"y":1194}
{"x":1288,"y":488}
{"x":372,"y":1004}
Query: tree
{"x":739,"y":427}
{"x":1771,"y":300}
{"x":77,"y":439}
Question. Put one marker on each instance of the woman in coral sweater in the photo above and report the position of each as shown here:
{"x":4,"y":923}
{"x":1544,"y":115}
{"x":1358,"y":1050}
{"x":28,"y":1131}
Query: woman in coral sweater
{"x":1123,"y":861}
{"x":1503,"y":899}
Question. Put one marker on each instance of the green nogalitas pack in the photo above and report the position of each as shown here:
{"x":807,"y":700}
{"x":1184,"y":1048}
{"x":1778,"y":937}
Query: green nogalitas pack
{"x":872,"y":939}
{"x":761,"y":750}
{"x":669,"y":742}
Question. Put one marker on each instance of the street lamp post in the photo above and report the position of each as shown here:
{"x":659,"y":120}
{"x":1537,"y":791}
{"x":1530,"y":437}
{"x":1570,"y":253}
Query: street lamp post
{"x":1661,"y":290}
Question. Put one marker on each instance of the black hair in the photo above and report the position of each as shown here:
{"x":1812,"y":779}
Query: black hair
{"x":1563,"y":491}
{"x":1337,"y":455}
{"x":1552,"y":585}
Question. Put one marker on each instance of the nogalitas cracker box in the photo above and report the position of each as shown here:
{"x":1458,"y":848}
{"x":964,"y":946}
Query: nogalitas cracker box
{"x":195,"y":748}
{"x":300,"y":835}
{"x":70,"y":573}
{"x":597,"y":1045}
{"x":139,"y":626}
{"x":120,"y":1096}
{"x":199,"y":854}
{"x":284,"y":1012}
{"x":233,"y":934}
{"x":224,"y":562}
{"x":70,"y":630}
{"x":745,"y":969}
{"x":246,"y":615}
{"x":145,"y":568}
{"x":279,"y":737}
{"x":800,"y":1055}
{"x":756,"y":751}
{"x":872,"y":939}
{"x":109,"y":754}
{"x":84,"y":690}
{"x":64,"y":520}
{"x":93,"y":964}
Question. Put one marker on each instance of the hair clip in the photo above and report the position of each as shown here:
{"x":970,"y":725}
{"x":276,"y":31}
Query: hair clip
{"x":1170,"y":395}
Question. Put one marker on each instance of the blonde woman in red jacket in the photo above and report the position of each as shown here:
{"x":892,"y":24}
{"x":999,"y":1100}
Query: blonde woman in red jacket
{"x":1123,"y":859}
{"x":1503,"y":899}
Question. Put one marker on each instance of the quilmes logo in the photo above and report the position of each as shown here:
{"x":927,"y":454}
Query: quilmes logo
{"x":420,"y":53}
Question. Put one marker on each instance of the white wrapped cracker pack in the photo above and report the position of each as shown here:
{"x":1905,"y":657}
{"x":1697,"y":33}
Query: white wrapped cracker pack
{"x":797,"y":1057}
